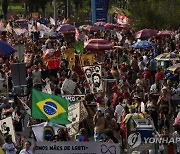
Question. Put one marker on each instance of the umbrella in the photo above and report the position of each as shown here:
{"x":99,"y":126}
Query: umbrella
{"x":101,"y":23}
{"x":65,"y":28}
{"x":145,"y":33}
{"x":174,"y":68}
{"x":22,"y":20}
{"x":91,"y":29}
{"x":98,"y":44}
{"x":164,"y":33}
{"x":5,"y":49}
{"x":168,"y":57}
{"x":110,"y":26}
{"x":143,"y":45}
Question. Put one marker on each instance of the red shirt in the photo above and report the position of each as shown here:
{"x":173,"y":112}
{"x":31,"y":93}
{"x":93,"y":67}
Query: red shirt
{"x":116,"y":95}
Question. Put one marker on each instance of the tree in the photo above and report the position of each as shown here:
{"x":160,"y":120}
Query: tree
{"x":155,"y":13}
{"x":5,"y":8}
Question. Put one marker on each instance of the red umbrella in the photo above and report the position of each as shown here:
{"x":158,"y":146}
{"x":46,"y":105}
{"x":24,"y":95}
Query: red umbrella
{"x":101,"y":23}
{"x":98,"y":44}
{"x":164,"y":33}
{"x":91,"y":29}
{"x":145,"y":33}
{"x":110,"y":26}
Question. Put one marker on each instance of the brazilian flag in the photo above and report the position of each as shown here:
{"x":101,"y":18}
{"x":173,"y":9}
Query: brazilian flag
{"x":49,"y":107}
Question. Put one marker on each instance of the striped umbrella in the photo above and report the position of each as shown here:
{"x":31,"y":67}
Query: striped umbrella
{"x":98,"y":45}
{"x":5,"y":49}
{"x":101,"y":23}
{"x":174,"y":68}
{"x":145,"y":33}
{"x":165,"y":33}
{"x":91,"y":29}
{"x":110,"y":26}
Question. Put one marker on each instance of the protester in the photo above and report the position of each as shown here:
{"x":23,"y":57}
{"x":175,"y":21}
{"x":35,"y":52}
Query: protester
{"x":9,"y":146}
{"x":27,"y":148}
{"x":120,"y":85}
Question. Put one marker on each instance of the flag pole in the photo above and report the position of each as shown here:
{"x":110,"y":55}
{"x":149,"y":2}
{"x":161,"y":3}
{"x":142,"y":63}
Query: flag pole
{"x":55,"y":13}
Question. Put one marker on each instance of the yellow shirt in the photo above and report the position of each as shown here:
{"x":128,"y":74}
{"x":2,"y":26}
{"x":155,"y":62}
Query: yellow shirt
{"x":1,"y":151}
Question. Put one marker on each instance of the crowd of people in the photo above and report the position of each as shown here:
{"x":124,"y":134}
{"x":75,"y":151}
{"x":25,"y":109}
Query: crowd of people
{"x":141,"y":87}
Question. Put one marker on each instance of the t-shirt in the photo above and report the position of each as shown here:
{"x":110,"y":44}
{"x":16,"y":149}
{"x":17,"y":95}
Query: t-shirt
{"x":9,"y":148}
{"x":176,"y":137}
{"x":118,"y":111}
{"x":24,"y":151}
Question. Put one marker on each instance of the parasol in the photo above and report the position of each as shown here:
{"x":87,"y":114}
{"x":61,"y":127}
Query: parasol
{"x":145,"y":33}
{"x":5,"y":49}
{"x":174,"y":68}
{"x":143,"y":45}
{"x":98,"y":44}
{"x":91,"y":29}
{"x":21,"y":20}
{"x":165,"y":33}
{"x":168,"y":57}
{"x":101,"y":23}
{"x":65,"y":28}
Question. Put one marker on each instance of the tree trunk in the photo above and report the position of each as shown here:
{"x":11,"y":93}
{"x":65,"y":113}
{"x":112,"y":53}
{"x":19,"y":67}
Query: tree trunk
{"x":5,"y":8}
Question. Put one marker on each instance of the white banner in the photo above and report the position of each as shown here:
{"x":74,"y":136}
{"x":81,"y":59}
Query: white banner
{"x":76,"y":148}
{"x":94,"y":77}
{"x":7,"y":127}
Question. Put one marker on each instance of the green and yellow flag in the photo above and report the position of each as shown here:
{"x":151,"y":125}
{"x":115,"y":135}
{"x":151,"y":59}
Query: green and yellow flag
{"x":79,"y":47}
{"x":49,"y":107}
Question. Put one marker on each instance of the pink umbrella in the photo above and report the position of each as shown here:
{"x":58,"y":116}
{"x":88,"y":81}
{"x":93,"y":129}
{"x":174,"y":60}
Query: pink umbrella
{"x":98,"y":44}
{"x":145,"y":33}
{"x":22,"y":20}
{"x":91,"y":29}
{"x":110,"y":26}
{"x":101,"y":23}
{"x":65,"y":28}
{"x":165,"y":33}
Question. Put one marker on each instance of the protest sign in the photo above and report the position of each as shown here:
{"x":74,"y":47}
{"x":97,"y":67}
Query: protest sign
{"x":77,"y":148}
{"x":74,"y":98}
{"x":94,"y":77}
{"x":87,"y":59}
{"x":77,"y":112}
{"x":7,"y":127}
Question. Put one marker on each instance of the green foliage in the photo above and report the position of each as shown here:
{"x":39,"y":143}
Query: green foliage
{"x":157,"y":14}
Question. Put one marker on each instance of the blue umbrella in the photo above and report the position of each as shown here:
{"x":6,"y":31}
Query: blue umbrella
{"x":143,"y":45}
{"x":5,"y":49}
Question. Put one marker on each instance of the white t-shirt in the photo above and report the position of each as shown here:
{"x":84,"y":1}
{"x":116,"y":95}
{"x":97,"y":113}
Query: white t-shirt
{"x":9,"y":148}
{"x":118,"y":111}
{"x":176,"y":137}
{"x":24,"y":151}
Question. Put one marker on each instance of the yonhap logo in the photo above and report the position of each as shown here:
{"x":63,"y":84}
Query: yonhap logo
{"x":134,"y":140}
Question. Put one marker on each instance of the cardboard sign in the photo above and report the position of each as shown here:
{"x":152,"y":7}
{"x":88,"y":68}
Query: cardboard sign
{"x":6,"y":127}
{"x":94,"y":77}
{"x":76,"y":148}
